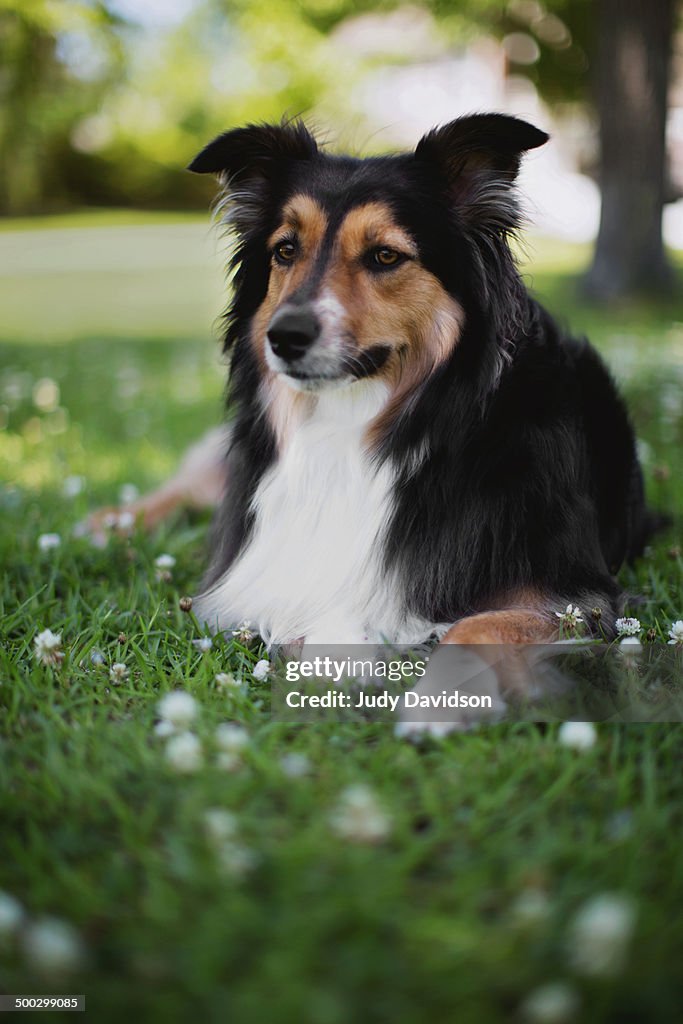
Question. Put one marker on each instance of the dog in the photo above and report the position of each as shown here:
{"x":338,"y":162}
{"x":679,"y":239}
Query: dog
{"x":416,"y":449}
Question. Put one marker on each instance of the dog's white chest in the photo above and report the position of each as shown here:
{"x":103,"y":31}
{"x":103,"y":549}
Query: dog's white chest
{"x":313,"y":565}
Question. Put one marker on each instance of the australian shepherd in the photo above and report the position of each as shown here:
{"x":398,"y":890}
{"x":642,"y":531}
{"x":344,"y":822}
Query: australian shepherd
{"x":415,"y":448}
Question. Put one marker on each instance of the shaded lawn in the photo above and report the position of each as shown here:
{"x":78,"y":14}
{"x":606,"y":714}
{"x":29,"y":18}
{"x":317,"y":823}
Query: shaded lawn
{"x":99,"y":831}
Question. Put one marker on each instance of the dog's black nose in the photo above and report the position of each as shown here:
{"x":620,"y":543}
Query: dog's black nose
{"x":292,"y":332}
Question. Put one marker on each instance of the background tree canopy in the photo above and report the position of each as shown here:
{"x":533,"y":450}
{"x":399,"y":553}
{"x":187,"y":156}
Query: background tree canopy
{"x":100,"y":108}
{"x":105,"y":101}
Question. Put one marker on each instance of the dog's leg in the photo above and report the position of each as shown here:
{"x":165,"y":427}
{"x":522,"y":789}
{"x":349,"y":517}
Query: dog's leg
{"x":199,"y":483}
{"x":506,"y":626}
{"x":492,"y":655}
{"x":502,"y":638}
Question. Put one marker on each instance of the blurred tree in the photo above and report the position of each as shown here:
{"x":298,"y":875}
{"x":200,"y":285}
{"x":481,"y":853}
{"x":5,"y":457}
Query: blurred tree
{"x":614,"y":56}
{"x":57,"y":60}
{"x":632,"y":76}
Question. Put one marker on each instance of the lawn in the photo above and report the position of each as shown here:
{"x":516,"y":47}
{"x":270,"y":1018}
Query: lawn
{"x":499,"y":875}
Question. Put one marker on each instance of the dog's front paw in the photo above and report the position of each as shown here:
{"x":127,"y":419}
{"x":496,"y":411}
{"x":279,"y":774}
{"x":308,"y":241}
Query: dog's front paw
{"x":459,"y":690}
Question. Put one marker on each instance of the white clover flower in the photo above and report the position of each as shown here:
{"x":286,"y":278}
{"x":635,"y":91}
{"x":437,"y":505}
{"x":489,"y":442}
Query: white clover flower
{"x":72,"y":486}
{"x":221,"y":830}
{"x":359,"y":816}
{"x":118,"y":673}
{"x":231,"y":738}
{"x":243,"y":632}
{"x":236,"y":859}
{"x":126,"y":521}
{"x":164,"y":561}
{"x":531,"y":907}
{"x":219,"y":825}
{"x":554,"y":1003}
{"x":48,"y":647}
{"x":228,"y":762}
{"x":53,"y":947}
{"x":110,"y":520}
{"x":600,"y":934}
{"x":227,"y":681}
{"x":96,"y":658}
{"x":203,"y":644}
{"x":416,"y":731}
{"x":295,"y":765}
{"x":184,"y":753}
{"x":571,"y":617}
{"x":676,"y":632}
{"x":179,"y":708}
{"x":49,"y":541}
{"x":577,"y":735}
{"x":11,"y":914}
{"x":261,"y":669}
{"x":628,"y":627}
{"x":164,"y":729}
{"x":128,"y":493}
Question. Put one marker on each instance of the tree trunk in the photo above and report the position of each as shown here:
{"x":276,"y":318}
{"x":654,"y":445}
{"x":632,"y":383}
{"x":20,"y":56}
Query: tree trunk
{"x":632,"y":75}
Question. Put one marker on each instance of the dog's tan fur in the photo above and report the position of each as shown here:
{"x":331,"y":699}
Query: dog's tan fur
{"x":407,"y":310}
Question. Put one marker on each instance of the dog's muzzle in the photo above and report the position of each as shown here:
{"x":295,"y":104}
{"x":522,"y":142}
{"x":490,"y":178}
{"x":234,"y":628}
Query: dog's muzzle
{"x":292,"y":331}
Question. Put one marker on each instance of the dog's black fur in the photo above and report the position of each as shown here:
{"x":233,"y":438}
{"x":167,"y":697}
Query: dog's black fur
{"x":532,"y":479}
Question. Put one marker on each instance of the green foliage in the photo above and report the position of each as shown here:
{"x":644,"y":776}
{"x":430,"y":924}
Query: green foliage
{"x":58,"y":61}
{"x":566,"y":37}
{"x":100,"y":111}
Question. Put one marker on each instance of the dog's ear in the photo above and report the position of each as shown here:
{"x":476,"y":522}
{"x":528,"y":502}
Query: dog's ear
{"x":255,"y":151}
{"x":249,"y":161}
{"x":479,"y":157}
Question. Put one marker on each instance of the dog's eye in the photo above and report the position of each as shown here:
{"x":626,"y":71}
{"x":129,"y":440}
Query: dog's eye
{"x":385,"y":257}
{"x":284,"y":252}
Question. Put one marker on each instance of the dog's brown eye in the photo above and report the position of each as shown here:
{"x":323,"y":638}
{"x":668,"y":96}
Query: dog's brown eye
{"x":284,"y":252}
{"x":386,"y":257}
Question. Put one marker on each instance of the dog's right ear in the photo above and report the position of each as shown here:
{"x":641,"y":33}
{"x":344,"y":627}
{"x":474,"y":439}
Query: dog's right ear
{"x":255,"y":151}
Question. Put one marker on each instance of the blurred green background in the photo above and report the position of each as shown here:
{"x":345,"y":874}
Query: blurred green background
{"x":104,"y":102}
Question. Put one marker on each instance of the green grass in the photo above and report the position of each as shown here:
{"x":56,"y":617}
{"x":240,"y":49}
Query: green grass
{"x":98,"y":830}
{"x":97,"y":217}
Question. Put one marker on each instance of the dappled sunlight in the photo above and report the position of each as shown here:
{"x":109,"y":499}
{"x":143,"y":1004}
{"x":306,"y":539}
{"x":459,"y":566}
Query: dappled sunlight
{"x":35,"y":463}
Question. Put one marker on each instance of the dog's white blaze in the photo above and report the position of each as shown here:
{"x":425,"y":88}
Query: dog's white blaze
{"x":312,"y":568}
{"x":331,"y":313}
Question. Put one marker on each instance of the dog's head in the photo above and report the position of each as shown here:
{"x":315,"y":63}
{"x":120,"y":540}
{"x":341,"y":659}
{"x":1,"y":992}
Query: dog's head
{"x":349,"y":268}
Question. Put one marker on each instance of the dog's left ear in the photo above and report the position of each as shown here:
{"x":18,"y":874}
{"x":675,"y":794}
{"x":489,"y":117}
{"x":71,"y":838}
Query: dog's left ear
{"x":255,"y":151}
{"x":478,"y":153}
{"x":250,"y":162}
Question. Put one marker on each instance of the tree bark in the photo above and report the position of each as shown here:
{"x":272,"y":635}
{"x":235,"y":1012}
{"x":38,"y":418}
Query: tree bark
{"x":632,"y":77}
